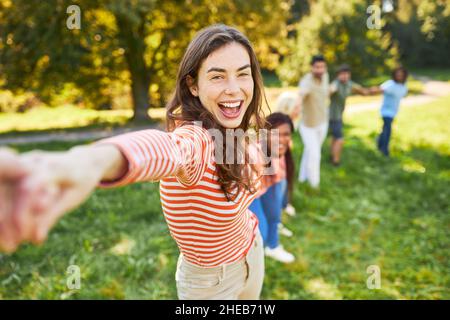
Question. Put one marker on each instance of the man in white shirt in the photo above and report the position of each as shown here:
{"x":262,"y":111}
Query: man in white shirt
{"x":313,"y":103}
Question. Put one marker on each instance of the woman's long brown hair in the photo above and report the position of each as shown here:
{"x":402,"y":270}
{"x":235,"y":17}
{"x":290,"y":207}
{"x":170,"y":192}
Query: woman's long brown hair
{"x":185,"y":108}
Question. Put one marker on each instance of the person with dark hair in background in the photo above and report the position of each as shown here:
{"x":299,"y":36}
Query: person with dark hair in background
{"x":277,"y":189}
{"x":286,"y":102}
{"x":393,"y":91}
{"x":313,"y":103}
{"x":342,"y":87}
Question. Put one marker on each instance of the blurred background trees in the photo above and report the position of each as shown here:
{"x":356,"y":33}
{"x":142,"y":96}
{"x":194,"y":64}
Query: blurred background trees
{"x":127,"y":51}
{"x":136,"y":43}
{"x":337,"y":29}
{"x":422,"y":29}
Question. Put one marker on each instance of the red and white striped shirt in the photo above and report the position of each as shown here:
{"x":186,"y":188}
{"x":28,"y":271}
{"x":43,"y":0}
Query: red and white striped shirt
{"x":208,"y":229}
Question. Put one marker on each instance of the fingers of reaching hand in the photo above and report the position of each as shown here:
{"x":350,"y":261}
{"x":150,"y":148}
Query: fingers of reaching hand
{"x":35,"y":199}
{"x":10,"y":168}
{"x":26,"y":194}
{"x":7,"y":242}
{"x":8,"y":236}
{"x":31,"y":202}
{"x":11,"y":172}
{"x":65,"y":200}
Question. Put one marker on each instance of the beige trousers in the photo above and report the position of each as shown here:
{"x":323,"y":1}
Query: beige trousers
{"x":239,"y":280}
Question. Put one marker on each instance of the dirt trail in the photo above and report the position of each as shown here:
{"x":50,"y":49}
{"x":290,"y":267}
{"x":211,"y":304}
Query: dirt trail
{"x":432,"y":90}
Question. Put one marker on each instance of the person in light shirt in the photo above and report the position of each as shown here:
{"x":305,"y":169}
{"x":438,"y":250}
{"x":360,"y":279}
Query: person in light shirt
{"x":393,"y":91}
{"x":312,"y":102}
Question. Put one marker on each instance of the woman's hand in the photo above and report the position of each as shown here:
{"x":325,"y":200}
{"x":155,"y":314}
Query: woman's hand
{"x":43,"y":186}
{"x":12,"y":172}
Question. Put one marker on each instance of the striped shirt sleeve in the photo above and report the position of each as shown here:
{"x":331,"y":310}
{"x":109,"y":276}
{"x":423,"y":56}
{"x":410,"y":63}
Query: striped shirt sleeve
{"x":153,"y":155}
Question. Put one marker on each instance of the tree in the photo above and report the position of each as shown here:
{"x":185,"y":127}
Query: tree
{"x":422,"y":29}
{"x":138,"y":43}
{"x":338,"y":30}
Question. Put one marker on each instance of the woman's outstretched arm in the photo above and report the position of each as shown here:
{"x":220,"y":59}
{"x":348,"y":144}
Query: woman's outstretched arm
{"x":47,"y":185}
{"x":37,"y":188}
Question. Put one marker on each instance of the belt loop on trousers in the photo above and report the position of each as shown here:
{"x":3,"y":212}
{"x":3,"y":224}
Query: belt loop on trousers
{"x":222,"y":272}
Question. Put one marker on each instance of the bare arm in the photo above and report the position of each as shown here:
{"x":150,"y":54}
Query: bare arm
{"x":37,"y":188}
{"x":375,"y":90}
{"x":304,"y":90}
{"x":333,"y":88}
{"x":361,"y":90}
{"x":298,"y":107}
{"x":107,"y":158}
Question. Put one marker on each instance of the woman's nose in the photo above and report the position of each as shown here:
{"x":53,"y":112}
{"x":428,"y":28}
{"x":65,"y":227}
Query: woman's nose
{"x":232,"y":87}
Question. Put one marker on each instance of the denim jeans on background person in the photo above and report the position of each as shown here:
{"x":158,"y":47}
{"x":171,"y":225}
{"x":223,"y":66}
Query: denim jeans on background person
{"x":385,"y":136}
{"x":285,"y":200}
{"x":257,"y":208}
{"x":268,"y":211}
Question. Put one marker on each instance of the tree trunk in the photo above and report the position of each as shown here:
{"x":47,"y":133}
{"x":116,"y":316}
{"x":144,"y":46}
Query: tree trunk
{"x":133,"y":36}
{"x":141,"y":99}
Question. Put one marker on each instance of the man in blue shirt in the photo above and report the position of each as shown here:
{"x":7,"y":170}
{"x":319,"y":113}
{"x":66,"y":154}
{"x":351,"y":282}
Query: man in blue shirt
{"x":393,"y":91}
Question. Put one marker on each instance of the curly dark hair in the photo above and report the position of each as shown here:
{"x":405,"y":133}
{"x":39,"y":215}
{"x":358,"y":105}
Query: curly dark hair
{"x":400,"y":69}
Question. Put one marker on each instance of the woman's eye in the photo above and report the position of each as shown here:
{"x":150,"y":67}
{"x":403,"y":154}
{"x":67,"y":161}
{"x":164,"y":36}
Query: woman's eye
{"x":243,"y":74}
{"x":216,"y":77}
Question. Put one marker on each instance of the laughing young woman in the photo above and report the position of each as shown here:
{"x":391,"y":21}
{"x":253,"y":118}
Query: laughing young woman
{"x":205,"y":201}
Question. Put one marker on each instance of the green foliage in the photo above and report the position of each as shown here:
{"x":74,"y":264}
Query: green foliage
{"x":370,"y":211}
{"x":422,"y":29}
{"x":39,"y":53}
{"x":338,"y":30}
{"x":10,"y":102}
{"x":137,"y":44}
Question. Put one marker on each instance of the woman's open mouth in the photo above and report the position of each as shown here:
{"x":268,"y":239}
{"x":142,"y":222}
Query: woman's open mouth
{"x":231,"y":109}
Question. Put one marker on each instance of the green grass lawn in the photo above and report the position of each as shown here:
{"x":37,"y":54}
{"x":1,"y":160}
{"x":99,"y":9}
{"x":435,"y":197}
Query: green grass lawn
{"x":392,"y":213}
{"x":66,"y":118}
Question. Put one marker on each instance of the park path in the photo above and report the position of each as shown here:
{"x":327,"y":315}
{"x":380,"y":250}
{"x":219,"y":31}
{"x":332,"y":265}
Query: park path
{"x":72,"y":136}
{"x":432,"y":91}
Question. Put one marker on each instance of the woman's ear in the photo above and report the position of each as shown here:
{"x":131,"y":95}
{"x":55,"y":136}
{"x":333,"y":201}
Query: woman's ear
{"x":192,"y":86}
